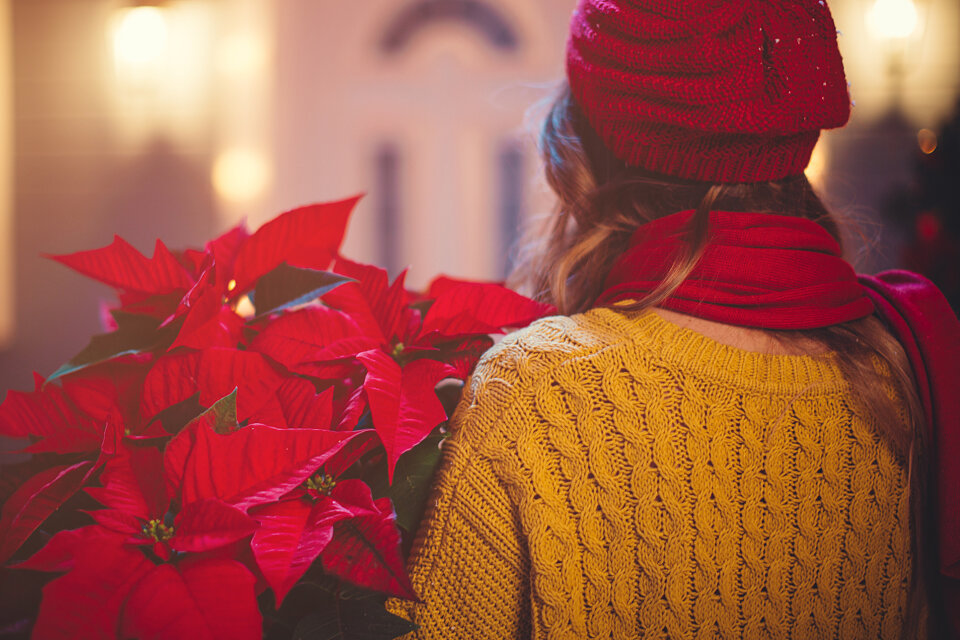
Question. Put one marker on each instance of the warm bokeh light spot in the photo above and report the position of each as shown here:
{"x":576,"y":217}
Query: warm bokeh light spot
{"x":240,"y":175}
{"x":245,"y":308}
{"x":927,"y":140}
{"x":928,"y":226}
{"x":892,"y":18}
{"x":242,"y":55}
{"x":817,"y":165}
{"x":140,"y":36}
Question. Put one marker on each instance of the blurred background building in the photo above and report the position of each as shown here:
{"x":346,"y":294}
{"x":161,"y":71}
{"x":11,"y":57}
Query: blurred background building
{"x":176,"y":119}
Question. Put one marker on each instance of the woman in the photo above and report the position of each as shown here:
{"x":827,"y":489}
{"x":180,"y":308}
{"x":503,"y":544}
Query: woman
{"x":720,"y":437}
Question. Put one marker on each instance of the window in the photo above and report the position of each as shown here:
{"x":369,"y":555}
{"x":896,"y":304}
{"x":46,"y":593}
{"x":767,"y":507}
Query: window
{"x":474,"y":13}
{"x":387,"y":163}
{"x":511,"y":178}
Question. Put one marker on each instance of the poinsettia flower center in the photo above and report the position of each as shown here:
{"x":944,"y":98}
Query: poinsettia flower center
{"x":157,"y":531}
{"x":397,"y":350}
{"x":321,"y":483}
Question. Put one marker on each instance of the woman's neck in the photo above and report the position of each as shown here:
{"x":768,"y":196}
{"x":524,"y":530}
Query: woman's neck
{"x":746,"y":338}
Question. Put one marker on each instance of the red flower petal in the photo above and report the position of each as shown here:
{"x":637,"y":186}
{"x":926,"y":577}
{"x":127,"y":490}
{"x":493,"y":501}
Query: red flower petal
{"x":349,"y":298}
{"x":204,"y":600}
{"x":113,"y":387}
{"x":305,"y":237}
{"x":351,"y":452}
{"x":209,"y":524}
{"x":35,"y":501}
{"x":306,"y":334}
{"x":346,"y":348}
{"x":350,"y":409}
{"x":204,"y":283}
{"x":171,"y":380}
{"x":223,"y":370}
{"x":209,"y":323}
{"x":123,"y":267}
{"x":379,"y":308}
{"x":112,"y":442}
{"x":194,"y":261}
{"x":68,"y":440}
{"x":86,"y":602}
{"x":356,"y":497}
{"x":403,"y":403}
{"x":474,"y":308}
{"x":49,"y":414}
{"x":224,"y":250}
{"x":133,"y":483}
{"x":439,"y":285}
{"x":60,"y":552}
{"x":14,"y":475}
{"x":254,"y":465}
{"x":119,"y":522}
{"x":366,"y":548}
{"x":303,"y":406}
{"x":463,"y":354}
{"x":292,"y":534}
{"x":156,"y":305}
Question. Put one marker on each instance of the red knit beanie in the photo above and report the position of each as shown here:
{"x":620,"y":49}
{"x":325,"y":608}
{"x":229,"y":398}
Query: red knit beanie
{"x":712,"y":90}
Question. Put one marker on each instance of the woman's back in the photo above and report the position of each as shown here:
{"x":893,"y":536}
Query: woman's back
{"x":622,"y":476}
{"x":616,"y":475}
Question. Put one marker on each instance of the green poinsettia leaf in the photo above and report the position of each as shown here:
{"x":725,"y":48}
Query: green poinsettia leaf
{"x":287,"y":286}
{"x":135,"y":333}
{"x":449,"y":393}
{"x":412,"y":480}
{"x":346,"y":612}
{"x":222,"y":414}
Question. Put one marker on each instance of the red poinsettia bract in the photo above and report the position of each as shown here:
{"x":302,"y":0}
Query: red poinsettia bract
{"x":197,"y":454}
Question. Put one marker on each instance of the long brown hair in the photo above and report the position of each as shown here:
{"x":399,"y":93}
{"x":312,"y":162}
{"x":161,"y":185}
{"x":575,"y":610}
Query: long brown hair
{"x":601,"y":201}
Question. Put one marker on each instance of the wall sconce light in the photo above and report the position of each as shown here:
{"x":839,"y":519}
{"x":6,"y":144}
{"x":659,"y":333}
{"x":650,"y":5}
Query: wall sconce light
{"x":817,"y":166}
{"x":892,"y":19}
{"x":162,"y":67}
{"x":140,"y":37}
{"x":895,"y":25}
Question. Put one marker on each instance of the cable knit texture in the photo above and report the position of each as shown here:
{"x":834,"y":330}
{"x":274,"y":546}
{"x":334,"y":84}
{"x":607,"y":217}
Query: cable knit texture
{"x":613,"y":476}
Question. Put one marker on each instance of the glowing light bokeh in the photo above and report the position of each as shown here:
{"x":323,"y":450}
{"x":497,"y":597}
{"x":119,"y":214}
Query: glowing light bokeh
{"x":892,"y":19}
{"x":927,"y":141}
{"x":242,"y":55}
{"x":240,"y":175}
{"x":817,"y":165}
{"x":245,"y":308}
{"x":140,"y":35}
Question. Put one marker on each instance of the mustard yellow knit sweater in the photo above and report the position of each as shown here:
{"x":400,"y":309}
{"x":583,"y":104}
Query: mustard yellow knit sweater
{"x":621,"y":477}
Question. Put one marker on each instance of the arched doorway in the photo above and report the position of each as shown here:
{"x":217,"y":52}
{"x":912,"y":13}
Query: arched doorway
{"x":419,"y":104}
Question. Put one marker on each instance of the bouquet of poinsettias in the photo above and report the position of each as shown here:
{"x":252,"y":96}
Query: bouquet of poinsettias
{"x":245,"y":453}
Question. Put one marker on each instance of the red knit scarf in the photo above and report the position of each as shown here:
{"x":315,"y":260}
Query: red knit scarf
{"x":778,"y":272}
{"x":758,"y":270}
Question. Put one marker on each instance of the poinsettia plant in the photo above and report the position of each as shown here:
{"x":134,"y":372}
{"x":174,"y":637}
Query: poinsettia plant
{"x":245,"y":452}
